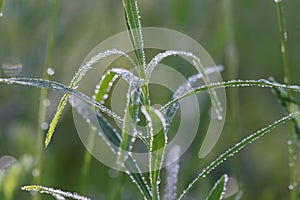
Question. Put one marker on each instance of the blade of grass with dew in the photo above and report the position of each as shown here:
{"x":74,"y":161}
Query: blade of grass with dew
{"x":285,"y":99}
{"x":235,"y":83}
{"x":158,"y":141}
{"x":219,"y":189}
{"x":129,"y":132}
{"x":113,"y":140}
{"x":44,"y":94}
{"x":135,"y":28}
{"x":235,"y":149}
{"x":185,"y":87}
{"x":56,"y":193}
{"x":172,"y":173}
{"x":100,"y":95}
{"x":74,"y":84}
{"x":40,"y":83}
{"x":290,"y":107}
{"x":196,"y":62}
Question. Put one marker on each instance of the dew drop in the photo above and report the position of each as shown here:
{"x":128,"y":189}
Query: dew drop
{"x":44,"y":125}
{"x":1,"y":14}
{"x":12,"y":68}
{"x":50,"y":71}
{"x":291,"y":187}
{"x":35,"y":172}
{"x":277,"y":1}
{"x":46,"y":102}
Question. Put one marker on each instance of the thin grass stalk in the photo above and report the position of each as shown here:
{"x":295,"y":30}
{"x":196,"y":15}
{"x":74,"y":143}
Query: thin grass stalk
{"x":44,"y":95}
{"x":231,"y":65}
{"x":287,"y":80}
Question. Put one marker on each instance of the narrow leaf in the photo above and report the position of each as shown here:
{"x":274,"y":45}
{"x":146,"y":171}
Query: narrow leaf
{"x":172,"y":173}
{"x":158,"y":141}
{"x":184,"y":88}
{"x":218,"y":190}
{"x":235,"y":149}
{"x":110,"y":135}
{"x":74,"y":84}
{"x":135,"y":28}
{"x":196,"y":62}
{"x":58,"y":194}
{"x":235,"y":83}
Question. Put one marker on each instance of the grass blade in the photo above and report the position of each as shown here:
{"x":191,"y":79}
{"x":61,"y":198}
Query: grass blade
{"x":130,"y":119}
{"x":218,"y":190}
{"x":74,"y":84}
{"x":196,"y":62}
{"x":184,"y":88}
{"x":235,"y":149}
{"x":58,"y":194}
{"x":113,"y":140}
{"x":158,"y":141}
{"x":40,"y":83}
{"x":172,"y":173}
{"x":135,"y":28}
{"x":235,"y":83}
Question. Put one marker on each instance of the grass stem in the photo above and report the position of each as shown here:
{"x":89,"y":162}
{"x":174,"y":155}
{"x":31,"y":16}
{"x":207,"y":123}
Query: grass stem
{"x":287,"y":80}
{"x":44,"y":95}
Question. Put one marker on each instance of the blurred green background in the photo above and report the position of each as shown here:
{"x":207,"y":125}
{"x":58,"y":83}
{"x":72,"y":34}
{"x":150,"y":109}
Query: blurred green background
{"x":261,"y":169}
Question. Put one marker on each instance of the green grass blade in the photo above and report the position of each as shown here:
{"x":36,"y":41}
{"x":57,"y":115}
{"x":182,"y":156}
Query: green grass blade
{"x":58,"y":194}
{"x":135,"y":28}
{"x":40,"y":83}
{"x":219,"y":189}
{"x":158,"y":141}
{"x":74,"y":84}
{"x":196,"y":62}
{"x":113,"y":140}
{"x":235,"y":83}
{"x":235,"y":149}
{"x":186,"y":87}
{"x":129,"y":131}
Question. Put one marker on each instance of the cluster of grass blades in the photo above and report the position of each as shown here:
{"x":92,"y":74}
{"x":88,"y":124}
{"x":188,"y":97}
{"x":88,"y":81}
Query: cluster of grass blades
{"x":158,"y":120}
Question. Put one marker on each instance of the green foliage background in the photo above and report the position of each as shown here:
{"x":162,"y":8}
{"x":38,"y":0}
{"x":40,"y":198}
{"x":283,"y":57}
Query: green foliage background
{"x":261,"y":169}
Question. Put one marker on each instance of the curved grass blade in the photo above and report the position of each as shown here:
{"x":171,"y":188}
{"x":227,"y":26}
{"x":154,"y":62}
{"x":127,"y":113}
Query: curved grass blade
{"x":196,"y":62}
{"x":135,"y":28}
{"x":170,"y":112}
{"x":172,"y":173}
{"x":130,"y":119}
{"x":56,"y":193}
{"x":74,"y":84}
{"x":219,"y":189}
{"x":40,"y":83}
{"x":235,"y":83}
{"x":235,"y":149}
{"x":158,"y":141}
{"x":113,"y":140}
{"x":287,"y":102}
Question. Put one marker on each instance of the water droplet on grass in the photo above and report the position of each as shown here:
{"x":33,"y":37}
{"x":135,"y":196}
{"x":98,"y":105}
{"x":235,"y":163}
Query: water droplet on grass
{"x":35,"y":172}
{"x":44,"y":125}
{"x":291,"y":187}
{"x":12,"y":68}
{"x":46,"y":102}
{"x":1,"y":14}
{"x":50,"y":71}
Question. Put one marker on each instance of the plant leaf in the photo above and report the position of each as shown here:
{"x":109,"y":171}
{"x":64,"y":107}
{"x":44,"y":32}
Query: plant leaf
{"x":196,"y":62}
{"x":129,"y":131}
{"x":158,"y":141}
{"x":135,"y":28}
{"x":235,"y":83}
{"x":170,"y":112}
{"x":58,"y":194}
{"x":235,"y":149}
{"x":74,"y":84}
{"x":219,"y":188}
{"x":113,"y":140}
